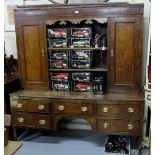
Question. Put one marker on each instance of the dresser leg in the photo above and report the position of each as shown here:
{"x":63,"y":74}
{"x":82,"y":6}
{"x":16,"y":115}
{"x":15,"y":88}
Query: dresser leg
{"x":14,"y":133}
{"x":140,"y":145}
{"x":140,"y":152}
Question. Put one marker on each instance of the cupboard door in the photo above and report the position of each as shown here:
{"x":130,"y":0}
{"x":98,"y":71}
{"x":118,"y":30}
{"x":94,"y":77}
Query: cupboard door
{"x":125,"y":54}
{"x":32,"y":56}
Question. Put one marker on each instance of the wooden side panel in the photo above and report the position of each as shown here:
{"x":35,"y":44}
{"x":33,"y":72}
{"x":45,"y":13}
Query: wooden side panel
{"x":32,"y":56}
{"x":124,"y":54}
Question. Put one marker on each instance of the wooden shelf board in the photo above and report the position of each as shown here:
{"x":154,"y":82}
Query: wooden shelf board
{"x":67,"y":48}
{"x":104,"y":69}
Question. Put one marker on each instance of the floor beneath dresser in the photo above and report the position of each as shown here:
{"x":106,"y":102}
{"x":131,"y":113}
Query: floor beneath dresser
{"x":66,"y":142}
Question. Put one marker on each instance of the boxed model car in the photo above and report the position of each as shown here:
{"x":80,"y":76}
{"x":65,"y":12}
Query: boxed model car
{"x":59,"y":77}
{"x":81,"y":54}
{"x":58,"y":63}
{"x":82,"y":76}
{"x":79,"y":86}
{"x":58,"y":54}
{"x":98,"y":85}
{"x":57,"y":33}
{"x":60,"y":86}
{"x":57,"y":42}
{"x":80,"y":42}
{"x":81,"y":64}
{"x":81,"y":32}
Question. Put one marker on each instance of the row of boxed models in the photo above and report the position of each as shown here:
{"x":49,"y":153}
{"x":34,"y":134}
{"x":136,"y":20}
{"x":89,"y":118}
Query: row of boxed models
{"x":76,"y":76}
{"x":77,"y":81}
{"x":73,"y":42}
{"x":75,"y":54}
{"x":74,"y":64}
{"x":73,"y":86}
{"x":69,"y":32}
{"x":78,"y":86}
{"x":75,"y":38}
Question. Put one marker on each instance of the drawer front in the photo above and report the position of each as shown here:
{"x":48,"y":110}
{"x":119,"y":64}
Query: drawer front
{"x":118,"y":109}
{"x":72,"y":108}
{"x":32,"y":106}
{"x":76,"y":12}
{"x":28,"y":120}
{"x":113,"y":125}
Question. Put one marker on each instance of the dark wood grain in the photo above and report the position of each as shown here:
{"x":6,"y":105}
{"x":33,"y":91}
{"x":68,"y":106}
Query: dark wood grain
{"x":123,"y":59}
{"x":123,"y":68}
{"x":130,"y":109}
{"x":71,"y":107}
{"x":32,"y":106}
{"x":31,"y":120}
{"x":11,"y":84}
{"x":119,"y":126}
{"x":93,"y":10}
{"x":32,"y":55}
{"x":79,"y":95}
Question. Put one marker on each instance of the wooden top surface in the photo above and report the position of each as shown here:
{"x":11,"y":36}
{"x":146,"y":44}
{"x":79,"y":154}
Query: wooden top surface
{"x":78,"y":95}
{"x":52,"y":11}
{"x":109,"y":4}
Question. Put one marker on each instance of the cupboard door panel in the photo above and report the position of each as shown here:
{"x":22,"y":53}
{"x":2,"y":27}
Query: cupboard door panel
{"x":124,"y":55}
{"x":32,"y":47}
{"x":32,"y":56}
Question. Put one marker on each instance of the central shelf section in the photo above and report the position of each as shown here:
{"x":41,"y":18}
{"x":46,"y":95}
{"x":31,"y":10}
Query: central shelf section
{"x":77,"y":56}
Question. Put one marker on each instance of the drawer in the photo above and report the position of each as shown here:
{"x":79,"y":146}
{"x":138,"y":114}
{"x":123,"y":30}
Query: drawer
{"x":72,"y":108}
{"x":76,"y":12}
{"x":29,"y":120}
{"x":113,"y":125}
{"x":32,"y":106}
{"x":118,"y":109}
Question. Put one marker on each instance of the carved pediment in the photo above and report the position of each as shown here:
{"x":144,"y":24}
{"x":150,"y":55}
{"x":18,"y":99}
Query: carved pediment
{"x":76,"y":21}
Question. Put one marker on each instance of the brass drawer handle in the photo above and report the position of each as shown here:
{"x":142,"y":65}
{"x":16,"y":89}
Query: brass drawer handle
{"x":20,"y":119}
{"x":42,"y":53}
{"x":84,"y":109}
{"x":105,"y":109}
{"x":76,"y":12}
{"x":15,"y":102}
{"x":105,"y":125}
{"x":19,"y":105}
{"x":112,"y":53}
{"x":41,"y":107}
{"x":61,"y":107}
{"x":131,"y":110}
{"x":42,"y":122}
{"x":130,"y":126}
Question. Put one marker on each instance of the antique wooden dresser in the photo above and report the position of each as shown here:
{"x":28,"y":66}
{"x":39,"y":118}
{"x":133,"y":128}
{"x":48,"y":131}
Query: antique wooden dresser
{"x":80,"y":61}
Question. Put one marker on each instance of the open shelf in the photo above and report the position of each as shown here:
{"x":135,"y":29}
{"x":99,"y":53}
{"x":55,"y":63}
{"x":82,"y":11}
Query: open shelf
{"x":82,"y":54}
